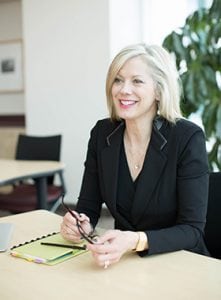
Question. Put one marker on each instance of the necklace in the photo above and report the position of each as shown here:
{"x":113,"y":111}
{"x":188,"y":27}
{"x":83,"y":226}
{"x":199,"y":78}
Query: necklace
{"x":137,"y":166}
{"x":135,"y":154}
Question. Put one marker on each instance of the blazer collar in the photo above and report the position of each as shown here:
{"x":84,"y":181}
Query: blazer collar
{"x":159,"y":139}
{"x":119,"y":130}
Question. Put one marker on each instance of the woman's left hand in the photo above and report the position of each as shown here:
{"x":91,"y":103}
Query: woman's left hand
{"x":110,"y":247}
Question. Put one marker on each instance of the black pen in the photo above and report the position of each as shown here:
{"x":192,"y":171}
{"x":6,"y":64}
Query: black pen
{"x":65,"y":246}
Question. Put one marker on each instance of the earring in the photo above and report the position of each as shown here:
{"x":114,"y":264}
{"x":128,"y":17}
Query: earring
{"x":158,"y":104}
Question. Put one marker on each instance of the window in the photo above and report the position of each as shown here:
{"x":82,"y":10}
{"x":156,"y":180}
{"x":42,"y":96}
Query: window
{"x":149,"y":21}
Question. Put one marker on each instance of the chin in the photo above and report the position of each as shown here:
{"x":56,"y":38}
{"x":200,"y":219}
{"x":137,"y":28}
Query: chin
{"x":126,"y":117}
{"x":126,"y":114}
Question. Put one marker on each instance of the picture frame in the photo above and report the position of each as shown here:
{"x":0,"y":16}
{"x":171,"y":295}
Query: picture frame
{"x":11,"y":66}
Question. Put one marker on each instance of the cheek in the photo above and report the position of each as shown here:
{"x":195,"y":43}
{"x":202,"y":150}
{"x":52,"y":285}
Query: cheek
{"x":114,"y":91}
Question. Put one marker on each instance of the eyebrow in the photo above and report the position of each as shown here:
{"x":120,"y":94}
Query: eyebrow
{"x":134,"y":76}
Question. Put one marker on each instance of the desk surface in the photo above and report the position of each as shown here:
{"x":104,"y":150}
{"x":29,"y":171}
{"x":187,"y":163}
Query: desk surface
{"x":11,"y":170}
{"x":174,"y":276}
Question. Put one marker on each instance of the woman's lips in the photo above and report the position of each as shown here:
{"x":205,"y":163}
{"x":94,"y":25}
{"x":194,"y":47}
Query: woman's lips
{"x":127,"y":103}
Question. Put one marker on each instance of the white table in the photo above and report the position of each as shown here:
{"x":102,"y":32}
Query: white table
{"x":174,"y":276}
{"x":14,"y":170}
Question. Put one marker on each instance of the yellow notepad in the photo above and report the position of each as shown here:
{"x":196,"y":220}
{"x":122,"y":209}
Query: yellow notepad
{"x":34,"y":251}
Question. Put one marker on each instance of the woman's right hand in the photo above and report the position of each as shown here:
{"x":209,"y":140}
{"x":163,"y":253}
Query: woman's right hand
{"x":69,"y":229}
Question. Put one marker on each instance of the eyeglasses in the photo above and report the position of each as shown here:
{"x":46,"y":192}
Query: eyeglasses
{"x":89,"y":237}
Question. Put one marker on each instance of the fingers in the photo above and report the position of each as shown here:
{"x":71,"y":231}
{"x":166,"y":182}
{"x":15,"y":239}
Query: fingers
{"x":108,"y":236}
{"x":106,"y":251}
{"x":70,"y":234}
{"x":82,"y":217}
{"x":106,"y":259}
{"x":104,"y":242}
{"x":69,"y":228}
{"x":69,"y":219}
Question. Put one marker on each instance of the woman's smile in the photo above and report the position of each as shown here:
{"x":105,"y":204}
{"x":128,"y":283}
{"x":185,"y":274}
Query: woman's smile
{"x":125,"y":103}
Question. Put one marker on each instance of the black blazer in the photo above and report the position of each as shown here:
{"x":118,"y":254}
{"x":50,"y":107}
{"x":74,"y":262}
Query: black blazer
{"x":171,"y":197}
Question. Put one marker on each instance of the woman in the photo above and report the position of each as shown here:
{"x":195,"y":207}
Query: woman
{"x":146,"y":163}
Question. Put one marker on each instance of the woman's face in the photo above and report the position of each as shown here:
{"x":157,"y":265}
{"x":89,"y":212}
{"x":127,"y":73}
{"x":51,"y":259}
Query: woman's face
{"x":133,"y":91}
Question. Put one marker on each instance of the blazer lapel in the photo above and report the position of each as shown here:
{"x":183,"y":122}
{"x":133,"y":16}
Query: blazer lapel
{"x":153,"y":166}
{"x":110,"y":162}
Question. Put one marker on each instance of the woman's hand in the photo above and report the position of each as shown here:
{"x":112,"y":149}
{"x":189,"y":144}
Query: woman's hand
{"x":69,"y":228}
{"x":110,"y":247}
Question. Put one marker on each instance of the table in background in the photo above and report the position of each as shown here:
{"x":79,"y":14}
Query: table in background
{"x":173,"y":276}
{"x":13,"y":170}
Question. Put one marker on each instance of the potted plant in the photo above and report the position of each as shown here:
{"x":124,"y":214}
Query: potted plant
{"x":197,"y":49}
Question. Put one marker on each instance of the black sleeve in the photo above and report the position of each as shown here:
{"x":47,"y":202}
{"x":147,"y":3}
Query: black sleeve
{"x":192,"y":197}
{"x":90,"y":200}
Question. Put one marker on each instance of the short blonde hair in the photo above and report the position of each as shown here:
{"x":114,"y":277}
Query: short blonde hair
{"x":163,"y":72}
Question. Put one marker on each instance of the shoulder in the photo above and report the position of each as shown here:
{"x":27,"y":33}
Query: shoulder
{"x":105,"y":126}
{"x":184,"y":134}
{"x":102,"y":129}
{"x":191,"y":148}
{"x":185,"y":129}
{"x":187,"y":125}
{"x":188,"y":138}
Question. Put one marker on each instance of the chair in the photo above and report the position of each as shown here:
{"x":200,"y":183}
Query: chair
{"x":24,"y":195}
{"x":213,"y":223}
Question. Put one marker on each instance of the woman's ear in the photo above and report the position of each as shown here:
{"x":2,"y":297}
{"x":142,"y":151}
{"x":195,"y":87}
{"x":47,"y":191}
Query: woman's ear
{"x":157,"y":93}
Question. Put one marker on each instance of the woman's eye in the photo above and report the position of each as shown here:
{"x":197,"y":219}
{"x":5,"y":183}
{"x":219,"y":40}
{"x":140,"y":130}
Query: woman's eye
{"x":117,"y":80}
{"x":137,"y":81}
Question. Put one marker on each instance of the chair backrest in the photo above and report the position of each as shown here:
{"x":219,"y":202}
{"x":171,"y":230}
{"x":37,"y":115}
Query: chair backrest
{"x":213,"y":223}
{"x":39,"y":148}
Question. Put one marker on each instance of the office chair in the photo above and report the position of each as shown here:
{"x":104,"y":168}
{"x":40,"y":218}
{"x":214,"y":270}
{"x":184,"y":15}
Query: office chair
{"x":24,"y":195}
{"x":213,"y":223}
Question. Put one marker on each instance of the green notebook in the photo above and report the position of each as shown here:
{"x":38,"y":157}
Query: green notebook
{"x":43,"y":254}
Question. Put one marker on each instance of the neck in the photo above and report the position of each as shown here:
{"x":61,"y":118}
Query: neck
{"x":136,"y":142}
{"x":137,"y":132}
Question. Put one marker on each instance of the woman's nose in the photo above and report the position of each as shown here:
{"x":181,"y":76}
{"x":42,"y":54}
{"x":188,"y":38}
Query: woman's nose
{"x":126,"y":88}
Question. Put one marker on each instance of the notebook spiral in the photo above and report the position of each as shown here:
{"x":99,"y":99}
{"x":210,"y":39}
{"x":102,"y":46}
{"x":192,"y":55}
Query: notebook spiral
{"x":33,"y":240}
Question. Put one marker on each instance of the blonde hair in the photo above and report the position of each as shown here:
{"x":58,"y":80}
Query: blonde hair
{"x":163,"y":72}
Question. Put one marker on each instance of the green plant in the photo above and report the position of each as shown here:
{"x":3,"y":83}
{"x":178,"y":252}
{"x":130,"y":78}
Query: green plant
{"x":197,"y":49}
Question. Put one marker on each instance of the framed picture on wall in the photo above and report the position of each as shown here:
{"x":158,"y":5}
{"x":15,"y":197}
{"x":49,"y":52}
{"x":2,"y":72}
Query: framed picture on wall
{"x":11,"y":66}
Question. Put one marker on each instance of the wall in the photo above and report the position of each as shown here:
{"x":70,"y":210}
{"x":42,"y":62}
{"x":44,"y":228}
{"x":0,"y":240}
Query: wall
{"x":10,"y":29}
{"x":125,"y":24}
{"x":10,"y":103}
{"x":66,"y":47}
{"x":8,"y":141}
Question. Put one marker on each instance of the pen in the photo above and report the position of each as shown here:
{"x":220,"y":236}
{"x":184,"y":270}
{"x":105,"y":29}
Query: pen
{"x":65,"y":246}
